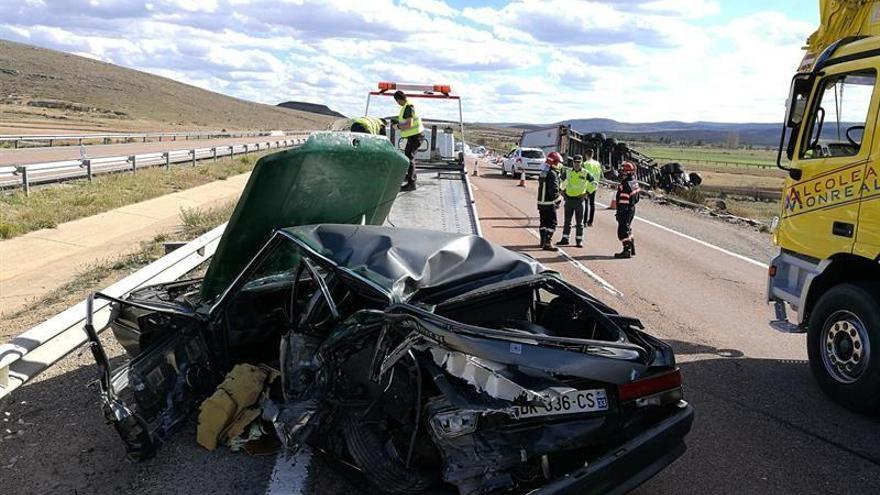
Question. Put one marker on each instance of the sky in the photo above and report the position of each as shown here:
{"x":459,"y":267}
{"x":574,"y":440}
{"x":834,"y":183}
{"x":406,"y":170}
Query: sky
{"x":511,"y":61}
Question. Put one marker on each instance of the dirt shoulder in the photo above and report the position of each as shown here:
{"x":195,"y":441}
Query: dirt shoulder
{"x":36,"y":263}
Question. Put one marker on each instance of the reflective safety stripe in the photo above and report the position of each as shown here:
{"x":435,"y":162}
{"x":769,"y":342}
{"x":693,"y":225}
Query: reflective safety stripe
{"x":416,"y":121}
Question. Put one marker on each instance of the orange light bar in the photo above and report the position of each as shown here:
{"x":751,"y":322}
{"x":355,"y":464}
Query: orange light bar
{"x":426,"y":88}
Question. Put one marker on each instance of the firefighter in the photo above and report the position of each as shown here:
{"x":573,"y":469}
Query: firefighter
{"x":594,"y":168}
{"x":627,"y":197}
{"x":368,"y":125}
{"x":410,"y":125}
{"x":548,"y":199}
{"x":576,"y":180}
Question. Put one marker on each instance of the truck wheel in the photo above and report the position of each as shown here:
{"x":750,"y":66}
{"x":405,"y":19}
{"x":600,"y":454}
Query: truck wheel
{"x":843,"y":343}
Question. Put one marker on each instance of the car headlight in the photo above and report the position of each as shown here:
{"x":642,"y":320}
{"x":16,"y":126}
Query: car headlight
{"x":454,"y":423}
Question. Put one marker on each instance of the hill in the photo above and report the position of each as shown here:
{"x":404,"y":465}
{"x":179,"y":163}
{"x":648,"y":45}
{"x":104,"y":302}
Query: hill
{"x":44,"y":89}
{"x":311,"y":108}
{"x":760,"y":134}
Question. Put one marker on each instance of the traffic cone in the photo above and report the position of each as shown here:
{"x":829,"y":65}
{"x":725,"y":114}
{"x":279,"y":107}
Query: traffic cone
{"x":613,"y":205}
{"x":522,"y":178}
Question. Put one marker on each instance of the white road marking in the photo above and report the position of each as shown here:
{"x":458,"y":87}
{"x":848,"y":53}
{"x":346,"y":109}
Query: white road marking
{"x":289,"y":476}
{"x":698,"y":241}
{"x":580,"y":266}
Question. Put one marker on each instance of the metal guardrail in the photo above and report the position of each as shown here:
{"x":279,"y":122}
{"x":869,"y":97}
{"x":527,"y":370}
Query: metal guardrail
{"x":725,"y":163}
{"x":52,"y":139}
{"x":32,"y":352}
{"x":40,"y":173}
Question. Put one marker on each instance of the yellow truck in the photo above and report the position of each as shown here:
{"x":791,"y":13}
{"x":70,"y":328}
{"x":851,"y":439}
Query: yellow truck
{"x":828,"y":230}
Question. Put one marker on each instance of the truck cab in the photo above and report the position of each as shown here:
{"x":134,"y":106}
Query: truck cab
{"x":828,"y":229}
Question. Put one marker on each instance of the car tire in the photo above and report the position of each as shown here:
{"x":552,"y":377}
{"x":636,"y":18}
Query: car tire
{"x":843,"y":344}
{"x":503,"y":171}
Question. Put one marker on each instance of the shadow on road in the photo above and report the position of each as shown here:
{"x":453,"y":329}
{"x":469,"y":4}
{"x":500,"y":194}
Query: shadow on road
{"x":763,"y":426}
{"x":66,"y":447}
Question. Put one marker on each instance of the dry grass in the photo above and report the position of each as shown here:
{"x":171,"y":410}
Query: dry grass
{"x":197,"y":221}
{"x":42,"y":88}
{"x":49,"y":206}
{"x":194,"y":222}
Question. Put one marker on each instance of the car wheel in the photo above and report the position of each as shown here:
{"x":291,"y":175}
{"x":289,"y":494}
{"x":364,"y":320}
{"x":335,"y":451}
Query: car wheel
{"x":843,"y":343}
{"x":503,"y":170}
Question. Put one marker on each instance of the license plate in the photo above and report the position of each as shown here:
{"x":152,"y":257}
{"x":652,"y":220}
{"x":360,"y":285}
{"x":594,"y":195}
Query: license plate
{"x":576,"y":401}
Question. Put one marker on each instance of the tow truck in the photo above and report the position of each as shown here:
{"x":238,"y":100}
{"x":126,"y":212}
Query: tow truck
{"x":828,"y":230}
{"x":444,"y":199}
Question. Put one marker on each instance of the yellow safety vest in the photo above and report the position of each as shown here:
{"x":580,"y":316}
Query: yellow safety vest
{"x":416,"y":121}
{"x":595,"y":169}
{"x":576,"y":182}
{"x":371,"y":124}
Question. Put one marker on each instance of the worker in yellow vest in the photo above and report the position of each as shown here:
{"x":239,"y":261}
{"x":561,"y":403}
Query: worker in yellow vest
{"x":576,"y":181}
{"x":410,"y":125}
{"x":594,"y":168}
{"x":368,"y":125}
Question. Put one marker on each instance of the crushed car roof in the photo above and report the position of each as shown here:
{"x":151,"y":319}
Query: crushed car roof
{"x":413,"y":264}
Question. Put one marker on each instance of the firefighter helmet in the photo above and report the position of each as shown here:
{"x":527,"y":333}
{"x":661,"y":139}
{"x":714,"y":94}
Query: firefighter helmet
{"x":554,"y":157}
{"x":628,"y":167}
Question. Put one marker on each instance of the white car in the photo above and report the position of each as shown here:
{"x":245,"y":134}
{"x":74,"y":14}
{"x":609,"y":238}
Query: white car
{"x":528,"y":160}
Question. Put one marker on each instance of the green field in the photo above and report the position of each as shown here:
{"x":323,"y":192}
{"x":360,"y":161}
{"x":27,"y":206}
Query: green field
{"x":709,"y":155}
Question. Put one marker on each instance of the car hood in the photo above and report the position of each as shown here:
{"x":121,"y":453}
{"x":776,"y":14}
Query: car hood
{"x":333,"y":177}
{"x":413,"y":264}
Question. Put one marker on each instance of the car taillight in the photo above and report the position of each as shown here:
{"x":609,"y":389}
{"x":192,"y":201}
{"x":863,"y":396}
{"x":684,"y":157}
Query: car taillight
{"x":649,"y":386}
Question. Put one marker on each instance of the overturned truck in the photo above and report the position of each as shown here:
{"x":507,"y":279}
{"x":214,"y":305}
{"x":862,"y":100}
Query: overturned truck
{"x":415,"y":359}
{"x":611,"y":153}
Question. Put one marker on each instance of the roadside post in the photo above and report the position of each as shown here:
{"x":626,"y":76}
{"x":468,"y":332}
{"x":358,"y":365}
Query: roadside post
{"x":133,"y":160}
{"x":167,"y":158}
{"x":87,"y":163}
{"x":25,"y":180}
{"x":214,"y":153}
{"x":193,"y":154}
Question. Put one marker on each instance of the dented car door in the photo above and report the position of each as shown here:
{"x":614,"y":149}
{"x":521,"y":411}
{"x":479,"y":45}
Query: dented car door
{"x":160,"y":380}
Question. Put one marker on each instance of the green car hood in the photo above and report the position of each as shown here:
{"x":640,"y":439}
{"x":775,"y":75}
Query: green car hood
{"x":333,"y":178}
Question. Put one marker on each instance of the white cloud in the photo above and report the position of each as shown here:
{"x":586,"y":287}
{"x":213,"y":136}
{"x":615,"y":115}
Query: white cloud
{"x":529,"y":60}
{"x":435,"y":7}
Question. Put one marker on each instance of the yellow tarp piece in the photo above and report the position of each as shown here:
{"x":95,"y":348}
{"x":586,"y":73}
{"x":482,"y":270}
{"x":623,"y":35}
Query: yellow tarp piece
{"x":229,"y":408}
{"x":839,"y":19}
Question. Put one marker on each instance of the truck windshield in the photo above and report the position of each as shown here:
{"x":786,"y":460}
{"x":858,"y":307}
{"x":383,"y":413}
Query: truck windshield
{"x":533,"y":154}
{"x":838,"y":121}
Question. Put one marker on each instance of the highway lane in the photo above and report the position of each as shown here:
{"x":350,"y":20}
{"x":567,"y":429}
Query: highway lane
{"x":23,"y":156}
{"x":762,"y":425}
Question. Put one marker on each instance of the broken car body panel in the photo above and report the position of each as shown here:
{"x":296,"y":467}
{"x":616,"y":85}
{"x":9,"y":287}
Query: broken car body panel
{"x":423,"y":359}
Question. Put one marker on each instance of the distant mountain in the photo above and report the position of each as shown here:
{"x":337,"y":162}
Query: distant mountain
{"x":311,"y":108}
{"x":760,"y":134}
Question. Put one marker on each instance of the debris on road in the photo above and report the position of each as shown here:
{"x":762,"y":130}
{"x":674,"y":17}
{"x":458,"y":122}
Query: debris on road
{"x":234,"y":406}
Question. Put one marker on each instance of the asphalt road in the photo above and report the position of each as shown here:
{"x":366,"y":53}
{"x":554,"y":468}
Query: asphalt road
{"x":762,"y":425}
{"x":24,"y":156}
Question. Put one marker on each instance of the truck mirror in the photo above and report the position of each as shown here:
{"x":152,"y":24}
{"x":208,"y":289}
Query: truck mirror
{"x":795,"y":173}
{"x":797,"y":100}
